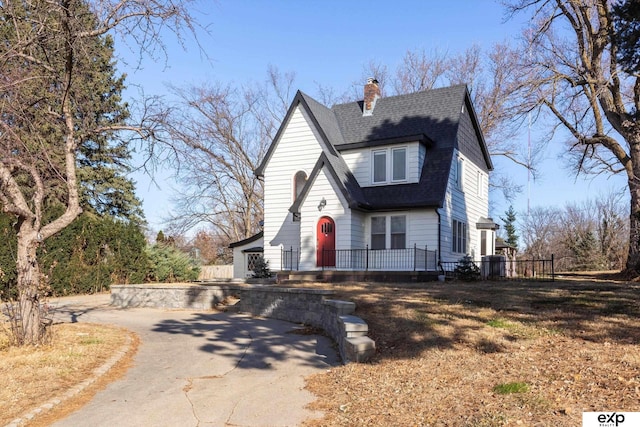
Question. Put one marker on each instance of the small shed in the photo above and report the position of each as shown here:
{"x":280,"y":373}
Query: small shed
{"x":245,"y":254}
{"x":509,"y":252}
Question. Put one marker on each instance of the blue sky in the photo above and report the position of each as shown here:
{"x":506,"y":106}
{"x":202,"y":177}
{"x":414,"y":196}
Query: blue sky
{"x":329,"y":43}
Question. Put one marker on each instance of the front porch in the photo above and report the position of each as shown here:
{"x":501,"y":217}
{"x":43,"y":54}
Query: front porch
{"x":341,"y":276}
{"x":365,"y":260}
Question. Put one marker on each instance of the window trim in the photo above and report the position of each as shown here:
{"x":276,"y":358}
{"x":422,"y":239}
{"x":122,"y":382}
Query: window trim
{"x":378,"y":234}
{"x":459,"y":172}
{"x":393,"y":169}
{"x":388,"y":154}
{"x":375,"y":153}
{"x":297,"y":191}
{"x":388,"y":233}
{"x":459,"y":237}
{"x":391,"y":233}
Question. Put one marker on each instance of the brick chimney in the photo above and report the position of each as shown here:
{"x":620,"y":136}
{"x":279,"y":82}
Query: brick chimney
{"x":371,"y":95}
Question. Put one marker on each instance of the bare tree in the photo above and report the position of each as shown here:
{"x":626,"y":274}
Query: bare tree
{"x":540,"y":232}
{"x":612,"y":228}
{"x":222,"y":133}
{"x":582,"y":236}
{"x":571,"y":75}
{"x":42,"y":120}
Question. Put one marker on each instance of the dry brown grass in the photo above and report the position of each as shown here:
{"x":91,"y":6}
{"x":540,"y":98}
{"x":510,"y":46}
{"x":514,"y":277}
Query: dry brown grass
{"x":443,"y":348}
{"x":32,"y":376}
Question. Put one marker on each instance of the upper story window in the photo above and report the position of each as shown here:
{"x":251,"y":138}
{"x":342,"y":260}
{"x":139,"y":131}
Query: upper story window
{"x":299,"y":180}
{"x":480,"y":184}
{"x":458,"y":172}
{"x":389,"y":165}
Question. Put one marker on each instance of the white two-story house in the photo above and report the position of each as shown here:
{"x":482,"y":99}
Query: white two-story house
{"x":385,"y":184}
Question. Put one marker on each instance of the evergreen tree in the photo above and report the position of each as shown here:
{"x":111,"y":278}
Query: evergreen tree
{"x":626,"y":19}
{"x":510,"y":227}
{"x":61,"y":119}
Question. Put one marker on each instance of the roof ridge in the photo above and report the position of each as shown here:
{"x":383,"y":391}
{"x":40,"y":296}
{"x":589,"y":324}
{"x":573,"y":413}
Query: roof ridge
{"x":403,"y":95}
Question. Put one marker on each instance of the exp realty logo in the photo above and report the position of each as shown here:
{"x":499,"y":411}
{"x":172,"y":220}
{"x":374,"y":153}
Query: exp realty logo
{"x":610,"y":419}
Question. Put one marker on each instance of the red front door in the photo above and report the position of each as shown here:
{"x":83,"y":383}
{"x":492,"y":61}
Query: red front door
{"x":326,"y":243}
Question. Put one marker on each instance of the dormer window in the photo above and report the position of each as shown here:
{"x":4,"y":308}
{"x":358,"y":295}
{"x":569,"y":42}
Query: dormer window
{"x":389,"y":165}
{"x":299,"y":180}
{"x":399,"y":165}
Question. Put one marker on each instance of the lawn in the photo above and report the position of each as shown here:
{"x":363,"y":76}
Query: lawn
{"x":33,"y":376}
{"x":488,"y":354}
{"x":448,"y":354}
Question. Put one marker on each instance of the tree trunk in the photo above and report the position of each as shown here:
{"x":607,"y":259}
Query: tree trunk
{"x":631,"y":133}
{"x":29,"y":284}
{"x":633,"y":258}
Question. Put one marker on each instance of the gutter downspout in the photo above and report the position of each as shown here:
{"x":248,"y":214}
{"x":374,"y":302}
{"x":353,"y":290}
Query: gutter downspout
{"x":439,"y":240}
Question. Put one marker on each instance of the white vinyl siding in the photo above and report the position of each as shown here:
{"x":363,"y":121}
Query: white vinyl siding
{"x":280,"y":231}
{"x":420,"y":229}
{"x":335,"y":208}
{"x":464,"y":206}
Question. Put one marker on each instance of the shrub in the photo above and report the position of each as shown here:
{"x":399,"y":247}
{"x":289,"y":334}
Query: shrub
{"x":168,"y":264}
{"x":86,"y":257}
{"x":261,"y":268}
{"x":467,"y":270}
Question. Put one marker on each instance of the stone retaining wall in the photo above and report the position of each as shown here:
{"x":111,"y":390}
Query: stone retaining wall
{"x":307,"y":306}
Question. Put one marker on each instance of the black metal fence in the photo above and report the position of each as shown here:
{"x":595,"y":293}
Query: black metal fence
{"x":499,"y":267}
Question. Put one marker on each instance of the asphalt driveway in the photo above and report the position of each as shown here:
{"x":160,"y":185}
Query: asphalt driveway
{"x":202,"y":368}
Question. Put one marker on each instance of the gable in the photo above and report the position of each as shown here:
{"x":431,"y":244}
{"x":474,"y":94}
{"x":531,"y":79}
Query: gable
{"x":440,"y":120}
{"x":470,"y":141}
{"x":318,"y":117}
{"x":325,"y":164}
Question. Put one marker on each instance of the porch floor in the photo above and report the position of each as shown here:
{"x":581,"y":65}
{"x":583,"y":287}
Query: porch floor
{"x":357,"y":276}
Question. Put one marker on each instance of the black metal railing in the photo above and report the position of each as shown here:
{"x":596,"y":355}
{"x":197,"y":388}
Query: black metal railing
{"x":499,"y":267}
{"x":409,"y":259}
{"x":290,"y":259}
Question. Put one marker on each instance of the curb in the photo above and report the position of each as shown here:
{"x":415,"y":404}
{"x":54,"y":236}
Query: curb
{"x":95,"y":375}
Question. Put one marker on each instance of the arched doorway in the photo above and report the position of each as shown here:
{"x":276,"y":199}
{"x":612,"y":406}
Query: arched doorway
{"x":326,"y":242}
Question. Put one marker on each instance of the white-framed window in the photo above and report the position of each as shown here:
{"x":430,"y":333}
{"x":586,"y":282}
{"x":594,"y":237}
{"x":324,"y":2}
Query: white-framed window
{"x":399,"y":164}
{"x":391,"y":233}
{"x":398,"y":232}
{"x":299,"y":180}
{"x":378,"y":232}
{"x":379,"y":166}
{"x":459,"y":237}
{"x":458,"y":172}
{"x":389,"y":165}
{"x":481,"y":184}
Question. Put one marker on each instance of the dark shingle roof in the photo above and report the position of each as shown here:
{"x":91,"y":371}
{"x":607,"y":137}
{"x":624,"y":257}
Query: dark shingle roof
{"x":434,"y":113}
{"x":433,"y":117}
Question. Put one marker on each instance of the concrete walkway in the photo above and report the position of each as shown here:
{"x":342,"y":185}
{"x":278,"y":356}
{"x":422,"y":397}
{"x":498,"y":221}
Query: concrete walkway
{"x":202,"y":368}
